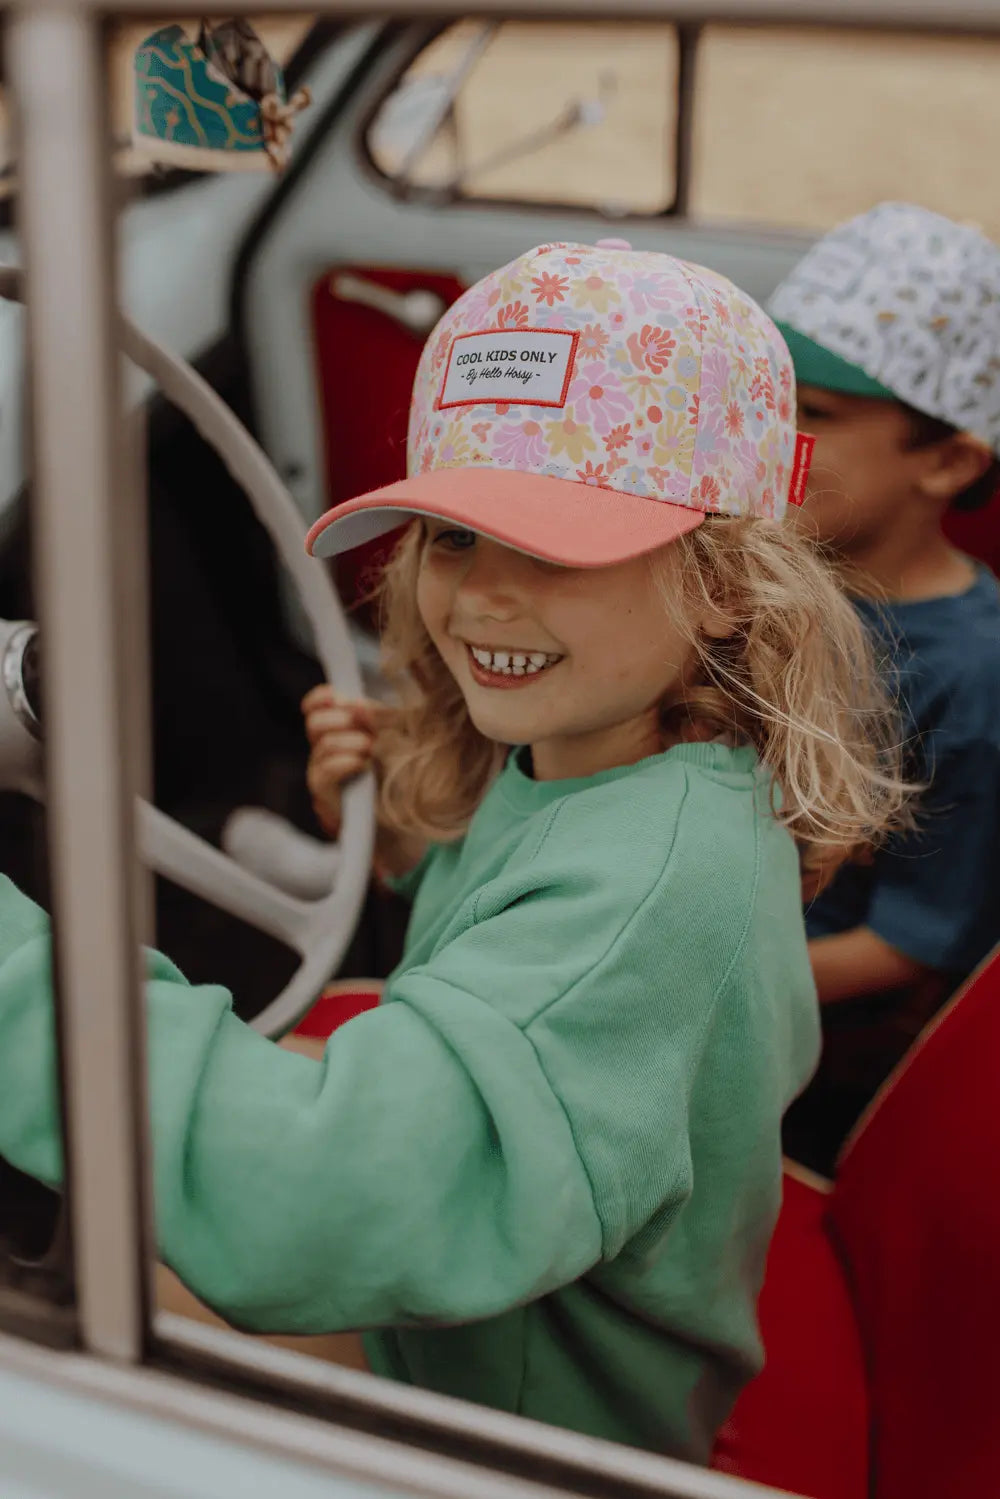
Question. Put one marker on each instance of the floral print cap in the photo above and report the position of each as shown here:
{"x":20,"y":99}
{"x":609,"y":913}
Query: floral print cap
{"x":913,"y":300}
{"x":589,"y":403}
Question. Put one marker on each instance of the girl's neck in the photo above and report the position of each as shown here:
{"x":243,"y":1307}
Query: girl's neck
{"x":579,"y":756}
{"x":574,"y":757}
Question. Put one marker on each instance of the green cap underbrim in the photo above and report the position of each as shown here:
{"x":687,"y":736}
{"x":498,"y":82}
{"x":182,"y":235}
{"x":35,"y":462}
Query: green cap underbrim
{"x":815,"y":365}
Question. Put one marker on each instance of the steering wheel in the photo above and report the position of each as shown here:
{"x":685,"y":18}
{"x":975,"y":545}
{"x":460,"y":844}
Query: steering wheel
{"x":320,"y":929}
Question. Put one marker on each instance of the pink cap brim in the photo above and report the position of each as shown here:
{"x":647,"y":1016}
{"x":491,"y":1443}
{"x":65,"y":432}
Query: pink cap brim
{"x":560,"y":520}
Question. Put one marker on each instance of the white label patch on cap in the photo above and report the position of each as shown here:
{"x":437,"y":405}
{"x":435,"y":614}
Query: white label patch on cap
{"x":524,"y":366}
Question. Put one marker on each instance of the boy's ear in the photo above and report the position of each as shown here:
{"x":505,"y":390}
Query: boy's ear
{"x":953,"y":465}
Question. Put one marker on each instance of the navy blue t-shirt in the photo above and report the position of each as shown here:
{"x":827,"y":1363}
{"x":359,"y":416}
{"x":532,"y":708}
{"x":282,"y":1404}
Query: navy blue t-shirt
{"x":934,"y":894}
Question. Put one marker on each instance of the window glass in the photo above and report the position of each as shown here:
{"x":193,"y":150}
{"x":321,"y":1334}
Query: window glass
{"x":539,"y":113}
{"x":803,"y":128}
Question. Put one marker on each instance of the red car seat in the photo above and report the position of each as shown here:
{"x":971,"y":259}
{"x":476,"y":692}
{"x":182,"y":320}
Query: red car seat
{"x":802,"y":1425}
{"x":881,"y":1304}
{"x":339,"y":1003}
{"x":880,"y":1310}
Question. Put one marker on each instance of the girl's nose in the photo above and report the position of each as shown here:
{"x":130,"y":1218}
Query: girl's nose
{"x":492,"y":581}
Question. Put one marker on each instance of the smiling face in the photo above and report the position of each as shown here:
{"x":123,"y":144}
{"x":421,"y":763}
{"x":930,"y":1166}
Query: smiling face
{"x":574,"y":662}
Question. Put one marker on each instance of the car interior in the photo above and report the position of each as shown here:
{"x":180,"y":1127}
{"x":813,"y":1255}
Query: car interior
{"x":409,"y":178}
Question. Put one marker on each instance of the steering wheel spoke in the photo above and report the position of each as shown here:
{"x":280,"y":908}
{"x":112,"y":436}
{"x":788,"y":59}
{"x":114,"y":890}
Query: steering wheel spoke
{"x":318,"y":930}
{"x":180,"y":855}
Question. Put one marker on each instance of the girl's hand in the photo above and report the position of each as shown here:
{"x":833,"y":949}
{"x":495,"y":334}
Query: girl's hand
{"x":341,"y":732}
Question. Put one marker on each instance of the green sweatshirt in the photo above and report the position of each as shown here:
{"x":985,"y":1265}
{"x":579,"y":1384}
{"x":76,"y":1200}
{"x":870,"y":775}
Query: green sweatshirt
{"x":544,"y":1171}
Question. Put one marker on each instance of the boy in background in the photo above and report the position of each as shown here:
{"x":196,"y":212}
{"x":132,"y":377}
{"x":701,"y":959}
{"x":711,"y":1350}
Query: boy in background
{"x":893,"y":322}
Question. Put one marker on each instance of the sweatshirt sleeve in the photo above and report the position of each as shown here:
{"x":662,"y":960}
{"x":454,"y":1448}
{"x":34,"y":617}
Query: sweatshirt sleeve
{"x":424,"y":1171}
{"x":508,"y":1117}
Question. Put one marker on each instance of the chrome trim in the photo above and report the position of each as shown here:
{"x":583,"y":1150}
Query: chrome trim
{"x":445,"y":1420}
{"x":12,"y":671}
{"x":417,"y":311}
{"x":609,"y":1470}
{"x":89,"y":555}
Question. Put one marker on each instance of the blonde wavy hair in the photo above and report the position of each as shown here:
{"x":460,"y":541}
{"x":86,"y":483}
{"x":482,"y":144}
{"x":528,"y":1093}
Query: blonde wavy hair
{"x":789,"y":670}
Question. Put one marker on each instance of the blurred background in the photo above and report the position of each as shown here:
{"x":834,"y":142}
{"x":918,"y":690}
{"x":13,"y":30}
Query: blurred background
{"x":886,"y":117}
{"x":796,"y":128}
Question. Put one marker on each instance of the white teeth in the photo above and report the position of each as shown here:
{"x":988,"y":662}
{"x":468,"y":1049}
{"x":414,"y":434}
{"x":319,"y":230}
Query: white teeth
{"x":513,"y":663}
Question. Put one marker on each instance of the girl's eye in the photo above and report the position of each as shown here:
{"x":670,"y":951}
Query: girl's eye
{"x":809,"y":413}
{"x":454,"y":540}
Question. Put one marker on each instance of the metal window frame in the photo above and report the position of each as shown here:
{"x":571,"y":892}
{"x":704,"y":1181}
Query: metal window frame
{"x":453,"y":195}
{"x":553,"y":1464}
{"x":689,"y":18}
{"x":90,"y":559}
{"x":934,"y":15}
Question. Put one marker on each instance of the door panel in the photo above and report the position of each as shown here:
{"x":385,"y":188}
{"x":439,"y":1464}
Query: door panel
{"x":366,"y":358}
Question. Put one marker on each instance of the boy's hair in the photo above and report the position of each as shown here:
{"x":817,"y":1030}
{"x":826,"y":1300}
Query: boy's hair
{"x":795,"y":677}
{"x":925,"y":431}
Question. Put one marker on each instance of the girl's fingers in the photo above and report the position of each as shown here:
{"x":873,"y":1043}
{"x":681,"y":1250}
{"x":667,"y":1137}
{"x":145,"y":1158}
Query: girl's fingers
{"x":341,"y":733}
{"x":345,"y":713}
{"x":339,"y":762}
{"x":355,"y":743}
{"x":322,"y":696}
{"x":329,"y":721}
{"x":365,"y":713}
{"x":326,"y":696}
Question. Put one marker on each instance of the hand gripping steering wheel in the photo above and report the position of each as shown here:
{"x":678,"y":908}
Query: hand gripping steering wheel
{"x":319,"y":930}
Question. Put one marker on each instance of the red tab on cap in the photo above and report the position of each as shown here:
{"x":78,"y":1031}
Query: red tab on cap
{"x":804,"y":444}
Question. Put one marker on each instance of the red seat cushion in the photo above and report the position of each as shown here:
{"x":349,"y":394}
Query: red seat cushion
{"x":802,"y":1424}
{"x":338,"y":1004}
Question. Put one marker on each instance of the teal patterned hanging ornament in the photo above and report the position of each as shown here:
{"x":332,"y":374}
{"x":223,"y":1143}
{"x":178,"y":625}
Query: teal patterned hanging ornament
{"x":215,"y":104}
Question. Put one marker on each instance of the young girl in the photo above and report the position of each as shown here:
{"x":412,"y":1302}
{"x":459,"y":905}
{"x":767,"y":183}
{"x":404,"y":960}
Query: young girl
{"x":544,"y":1171}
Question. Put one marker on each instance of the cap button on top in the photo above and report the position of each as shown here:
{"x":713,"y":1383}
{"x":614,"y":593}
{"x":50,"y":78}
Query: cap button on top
{"x":613,"y":244}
